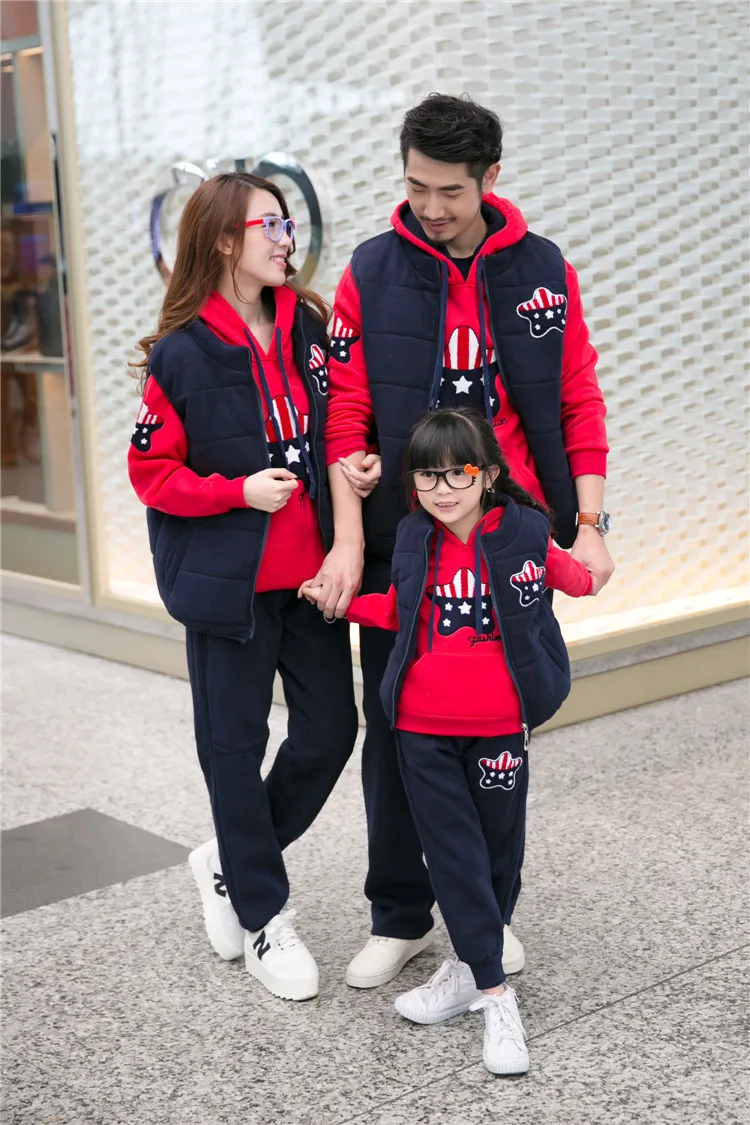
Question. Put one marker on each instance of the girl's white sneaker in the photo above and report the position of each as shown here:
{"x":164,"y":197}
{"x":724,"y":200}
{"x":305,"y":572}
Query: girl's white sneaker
{"x":449,"y":992}
{"x":505,"y":1050}
{"x":280,"y":960}
{"x":222,"y":924}
{"x":514,"y":957}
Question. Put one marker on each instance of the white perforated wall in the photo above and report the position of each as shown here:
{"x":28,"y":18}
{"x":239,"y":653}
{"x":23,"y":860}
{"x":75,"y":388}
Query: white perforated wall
{"x":626,"y":141}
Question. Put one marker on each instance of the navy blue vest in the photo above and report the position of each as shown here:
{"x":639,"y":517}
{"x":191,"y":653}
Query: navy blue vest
{"x":206,"y":567}
{"x":403,"y":316}
{"x":534,"y":648}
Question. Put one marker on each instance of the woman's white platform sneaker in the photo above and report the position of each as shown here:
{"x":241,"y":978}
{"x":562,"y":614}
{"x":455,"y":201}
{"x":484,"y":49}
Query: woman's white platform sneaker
{"x":222,"y":924}
{"x":280,"y":960}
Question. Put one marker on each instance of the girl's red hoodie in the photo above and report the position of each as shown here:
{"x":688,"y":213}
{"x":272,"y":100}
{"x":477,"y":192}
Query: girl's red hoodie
{"x":458,"y":682}
{"x":162,"y":479}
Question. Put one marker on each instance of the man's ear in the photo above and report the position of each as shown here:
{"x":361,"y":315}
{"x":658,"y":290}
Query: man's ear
{"x":490,"y":178}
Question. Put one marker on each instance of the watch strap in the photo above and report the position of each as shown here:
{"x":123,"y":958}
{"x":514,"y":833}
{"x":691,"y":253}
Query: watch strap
{"x":591,"y":518}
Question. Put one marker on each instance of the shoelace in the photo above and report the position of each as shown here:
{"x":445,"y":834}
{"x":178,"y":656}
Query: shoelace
{"x":446,"y":979}
{"x":503,"y":1022}
{"x":280,"y":930}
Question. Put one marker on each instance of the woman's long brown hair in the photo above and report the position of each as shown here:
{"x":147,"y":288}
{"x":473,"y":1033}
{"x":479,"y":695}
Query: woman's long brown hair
{"x":217,"y":207}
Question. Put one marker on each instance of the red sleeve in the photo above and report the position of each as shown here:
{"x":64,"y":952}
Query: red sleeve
{"x":566,"y":574}
{"x":350,"y":414}
{"x":157,"y":469}
{"x":378,"y":611}
{"x":583,"y":409}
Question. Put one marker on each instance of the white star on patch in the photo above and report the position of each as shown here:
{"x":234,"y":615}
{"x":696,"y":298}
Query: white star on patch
{"x":501,"y":775}
{"x":537,"y":327}
{"x":292,"y":455}
{"x":462,"y":385}
{"x":485,"y":620}
{"x":549,"y":314}
{"x":144,"y":441}
{"x":446,"y":621}
{"x":465,"y":608}
{"x":448,"y":606}
{"x":535,"y":586}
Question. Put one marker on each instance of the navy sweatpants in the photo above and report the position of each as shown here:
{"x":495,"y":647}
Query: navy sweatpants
{"x":397,"y":883}
{"x":232,"y":687}
{"x":468,"y":797}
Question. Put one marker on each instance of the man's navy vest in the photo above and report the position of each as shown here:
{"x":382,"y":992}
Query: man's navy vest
{"x":206,"y":567}
{"x":400,"y":294}
{"x":532,"y":642}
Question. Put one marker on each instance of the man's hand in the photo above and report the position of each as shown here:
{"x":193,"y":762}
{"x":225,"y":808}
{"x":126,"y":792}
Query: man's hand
{"x":363,"y":479}
{"x":590,"y":549}
{"x":337,"y":581}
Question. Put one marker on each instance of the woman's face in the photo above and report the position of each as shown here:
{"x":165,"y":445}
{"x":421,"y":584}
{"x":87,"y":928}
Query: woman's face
{"x":263,"y":261}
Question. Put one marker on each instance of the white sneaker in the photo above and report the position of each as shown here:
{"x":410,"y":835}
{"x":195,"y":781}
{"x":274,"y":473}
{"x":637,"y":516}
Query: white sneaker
{"x":505,"y":1050}
{"x":449,"y":992}
{"x":280,"y":960}
{"x":514,"y":957}
{"x":222,"y":924}
{"x":382,"y":959}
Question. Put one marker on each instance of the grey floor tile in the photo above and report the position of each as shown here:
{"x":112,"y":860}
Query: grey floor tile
{"x":80,"y":851}
{"x":673,"y":1055}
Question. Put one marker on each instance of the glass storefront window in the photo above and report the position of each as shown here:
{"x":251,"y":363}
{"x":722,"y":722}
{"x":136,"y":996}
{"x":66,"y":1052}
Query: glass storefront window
{"x":37,"y":504}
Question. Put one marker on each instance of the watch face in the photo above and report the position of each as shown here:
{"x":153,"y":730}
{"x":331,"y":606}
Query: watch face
{"x":605,"y":522}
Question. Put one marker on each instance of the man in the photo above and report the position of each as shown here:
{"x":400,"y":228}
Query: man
{"x":458,"y":304}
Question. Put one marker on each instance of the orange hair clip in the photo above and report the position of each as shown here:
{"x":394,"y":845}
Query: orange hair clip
{"x":472,"y":470}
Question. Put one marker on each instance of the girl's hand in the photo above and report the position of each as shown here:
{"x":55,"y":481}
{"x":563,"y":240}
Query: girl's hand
{"x":309,"y":590}
{"x":269,"y":490}
{"x":364,"y":479}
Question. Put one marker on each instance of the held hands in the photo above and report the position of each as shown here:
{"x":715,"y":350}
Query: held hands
{"x":364,"y":479}
{"x":590,"y":549}
{"x":269,"y":490}
{"x":337,"y":581}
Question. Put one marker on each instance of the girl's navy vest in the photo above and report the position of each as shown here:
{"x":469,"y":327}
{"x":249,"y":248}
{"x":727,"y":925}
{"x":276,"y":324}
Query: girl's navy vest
{"x":400,"y":294}
{"x":206,"y":567}
{"x":533,"y":645}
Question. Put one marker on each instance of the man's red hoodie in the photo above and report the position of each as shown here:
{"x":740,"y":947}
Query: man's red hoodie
{"x":162,"y":479}
{"x":458,"y":682}
{"x":350,"y":413}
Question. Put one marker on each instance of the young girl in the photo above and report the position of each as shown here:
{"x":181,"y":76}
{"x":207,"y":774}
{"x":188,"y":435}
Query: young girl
{"x":479,"y":661}
{"x":227,"y":453}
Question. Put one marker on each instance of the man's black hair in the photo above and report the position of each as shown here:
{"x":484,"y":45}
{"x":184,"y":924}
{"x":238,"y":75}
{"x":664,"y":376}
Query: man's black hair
{"x":453,"y":130}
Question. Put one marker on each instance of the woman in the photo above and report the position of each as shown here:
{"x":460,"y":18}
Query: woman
{"x":227,"y":453}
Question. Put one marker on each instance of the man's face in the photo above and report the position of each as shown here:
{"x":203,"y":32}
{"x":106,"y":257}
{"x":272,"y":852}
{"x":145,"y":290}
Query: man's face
{"x":444,"y":197}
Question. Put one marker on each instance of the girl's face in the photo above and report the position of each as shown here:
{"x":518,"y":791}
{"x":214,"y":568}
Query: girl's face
{"x":263,"y":260}
{"x":458,"y":507}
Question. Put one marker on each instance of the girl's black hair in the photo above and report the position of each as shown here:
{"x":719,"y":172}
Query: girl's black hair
{"x":444,"y":438}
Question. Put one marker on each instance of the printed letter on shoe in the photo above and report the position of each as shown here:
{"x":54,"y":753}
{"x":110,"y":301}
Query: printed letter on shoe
{"x":222,"y":924}
{"x":280,"y":960}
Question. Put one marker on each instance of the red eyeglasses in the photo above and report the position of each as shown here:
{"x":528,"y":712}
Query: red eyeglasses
{"x":276,"y":227}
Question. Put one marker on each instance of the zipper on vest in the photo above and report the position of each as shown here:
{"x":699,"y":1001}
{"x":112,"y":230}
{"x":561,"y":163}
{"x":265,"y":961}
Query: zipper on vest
{"x":508,"y":661}
{"x":501,"y":372}
{"x":267,"y":523}
{"x":412,"y":626}
{"x":305,"y":376}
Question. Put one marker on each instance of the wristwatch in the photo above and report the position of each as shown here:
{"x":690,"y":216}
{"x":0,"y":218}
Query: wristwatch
{"x":602,"y":521}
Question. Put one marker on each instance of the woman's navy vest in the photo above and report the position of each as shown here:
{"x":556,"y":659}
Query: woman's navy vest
{"x":400,"y":295}
{"x":533,"y":645}
{"x":206,"y":567}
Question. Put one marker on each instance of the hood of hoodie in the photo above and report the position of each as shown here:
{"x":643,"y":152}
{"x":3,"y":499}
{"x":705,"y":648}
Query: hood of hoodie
{"x":505,"y":226}
{"x":229,"y":326}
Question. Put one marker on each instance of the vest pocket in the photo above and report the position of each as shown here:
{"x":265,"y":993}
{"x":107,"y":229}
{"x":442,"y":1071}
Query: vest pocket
{"x":175,"y":558}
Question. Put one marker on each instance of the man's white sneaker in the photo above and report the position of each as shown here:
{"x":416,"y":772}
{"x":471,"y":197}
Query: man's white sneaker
{"x":222,"y":924}
{"x":449,"y":992}
{"x":280,"y":960}
{"x":514,"y":957}
{"x":505,"y":1050}
{"x":382,"y":959}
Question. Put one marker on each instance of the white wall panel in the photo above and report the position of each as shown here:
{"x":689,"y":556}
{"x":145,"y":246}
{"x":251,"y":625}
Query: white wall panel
{"x":626,"y":142}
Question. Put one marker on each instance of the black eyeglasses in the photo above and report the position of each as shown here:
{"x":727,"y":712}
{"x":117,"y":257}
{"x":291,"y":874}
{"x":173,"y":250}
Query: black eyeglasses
{"x":427,"y":479}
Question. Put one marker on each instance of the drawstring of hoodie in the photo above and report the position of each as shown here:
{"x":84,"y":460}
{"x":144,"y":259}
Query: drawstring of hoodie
{"x":271,"y":412}
{"x":478,"y":611}
{"x":482,"y":300}
{"x":433,"y":607}
{"x":437,"y":376}
{"x":295,"y":418}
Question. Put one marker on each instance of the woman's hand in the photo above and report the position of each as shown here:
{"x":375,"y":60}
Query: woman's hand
{"x":269,"y":490}
{"x":364,"y":479}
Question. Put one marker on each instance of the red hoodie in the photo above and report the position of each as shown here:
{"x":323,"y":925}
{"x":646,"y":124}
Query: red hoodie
{"x":350,"y":413}
{"x":461,"y":685}
{"x":162,"y":480}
